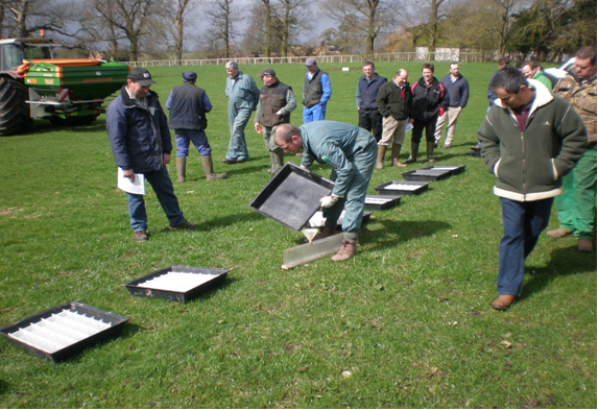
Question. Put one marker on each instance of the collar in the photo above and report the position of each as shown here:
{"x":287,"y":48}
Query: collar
{"x":543,"y":96}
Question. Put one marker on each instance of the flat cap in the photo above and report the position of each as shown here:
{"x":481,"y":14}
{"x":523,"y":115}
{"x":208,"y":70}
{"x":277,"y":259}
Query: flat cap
{"x":189,"y":76}
{"x":310,"y":61}
{"x":267,"y":71}
{"x":142,"y":76}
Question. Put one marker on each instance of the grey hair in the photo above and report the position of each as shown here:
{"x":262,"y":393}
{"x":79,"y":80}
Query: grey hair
{"x":231,"y":65}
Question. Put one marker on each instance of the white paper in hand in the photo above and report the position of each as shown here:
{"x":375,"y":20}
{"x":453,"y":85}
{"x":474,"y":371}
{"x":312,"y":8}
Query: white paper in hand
{"x":133,"y":187}
{"x":408,"y":127}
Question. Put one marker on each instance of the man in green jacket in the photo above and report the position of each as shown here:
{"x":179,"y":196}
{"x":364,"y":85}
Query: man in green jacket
{"x":532,"y":70}
{"x":530,"y":139}
{"x":577,"y":204}
{"x":351,"y":152}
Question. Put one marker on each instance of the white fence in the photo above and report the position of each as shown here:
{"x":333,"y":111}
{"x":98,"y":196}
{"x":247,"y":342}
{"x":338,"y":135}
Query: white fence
{"x":468,"y":57}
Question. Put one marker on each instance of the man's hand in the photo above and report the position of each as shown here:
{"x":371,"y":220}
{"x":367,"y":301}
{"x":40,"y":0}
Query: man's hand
{"x":328,"y":201}
{"x":279,"y":112}
{"x":258,"y":127}
{"x":411,"y":121}
{"x":166,"y":159}
{"x":304,"y":167}
{"x":129,"y":173}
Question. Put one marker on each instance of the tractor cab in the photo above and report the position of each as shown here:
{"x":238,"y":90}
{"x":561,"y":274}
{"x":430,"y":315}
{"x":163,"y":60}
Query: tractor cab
{"x":14,"y":51}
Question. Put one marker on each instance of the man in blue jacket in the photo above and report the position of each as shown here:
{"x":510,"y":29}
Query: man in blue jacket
{"x":368,"y":86}
{"x":316,"y":92}
{"x":458,"y":91}
{"x":351,"y":152}
{"x":140,"y":141}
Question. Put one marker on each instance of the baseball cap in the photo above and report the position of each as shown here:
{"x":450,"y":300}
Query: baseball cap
{"x":189,"y":76}
{"x":142,"y":76}
{"x":267,"y":71}
{"x":310,"y":61}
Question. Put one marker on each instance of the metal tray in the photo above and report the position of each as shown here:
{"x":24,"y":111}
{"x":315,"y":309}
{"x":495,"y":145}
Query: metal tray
{"x":317,"y":220}
{"x":292,"y":196}
{"x":380,"y":202}
{"x":64,"y":330}
{"x":402,"y":188}
{"x":173,"y":283}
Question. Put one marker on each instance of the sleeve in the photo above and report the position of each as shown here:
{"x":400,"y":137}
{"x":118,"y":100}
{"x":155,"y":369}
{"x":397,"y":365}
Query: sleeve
{"x":207,"y":104}
{"x":357,"y":96}
{"x":255,"y":92}
{"x":336,"y":158}
{"x":489,"y":142}
{"x":489,"y":93}
{"x":307,"y":161}
{"x":169,"y":100}
{"x":326,"y":88}
{"x":464,"y":95}
{"x":381,"y":100}
{"x":291,"y":102}
{"x":574,"y":137}
{"x":164,"y":130}
{"x":443,"y":105}
{"x":116,"y":126}
{"x":258,"y":111}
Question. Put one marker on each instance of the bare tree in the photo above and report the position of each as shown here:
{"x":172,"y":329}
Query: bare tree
{"x":268,"y":21}
{"x":290,"y":17}
{"x":223,"y":14}
{"x":22,"y":17}
{"x":174,"y":12}
{"x":370,"y":17}
{"x":505,"y":11}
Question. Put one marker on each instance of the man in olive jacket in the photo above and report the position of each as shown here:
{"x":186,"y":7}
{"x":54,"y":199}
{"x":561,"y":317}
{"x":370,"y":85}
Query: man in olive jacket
{"x":529,"y":140}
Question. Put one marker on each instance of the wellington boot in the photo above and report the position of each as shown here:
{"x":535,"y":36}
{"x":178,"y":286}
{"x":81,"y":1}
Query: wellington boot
{"x":430,"y":151}
{"x":324,"y":233}
{"x":277,"y":159}
{"x":181,"y":169}
{"x":348,"y":249}
{"x":381,"y":153}
{"x":208,"y":168}
{"x":396,"y":151}
{"x":413,"y":155}
{"x":272,"y":162}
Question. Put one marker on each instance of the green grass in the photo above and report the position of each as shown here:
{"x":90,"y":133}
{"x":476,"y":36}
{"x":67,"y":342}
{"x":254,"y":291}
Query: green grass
{"x":408,"y":316}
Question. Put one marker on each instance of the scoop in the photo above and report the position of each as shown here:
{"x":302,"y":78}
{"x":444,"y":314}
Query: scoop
{"x":310,"y":233}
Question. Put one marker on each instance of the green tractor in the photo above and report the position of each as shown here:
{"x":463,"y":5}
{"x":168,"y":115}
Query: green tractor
{"x":33,"y":84}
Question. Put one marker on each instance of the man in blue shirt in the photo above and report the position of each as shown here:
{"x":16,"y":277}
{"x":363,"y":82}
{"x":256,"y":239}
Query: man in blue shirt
{"x":316,"y":92}
{"x":368,"y":85}
{"x":458,"y":91}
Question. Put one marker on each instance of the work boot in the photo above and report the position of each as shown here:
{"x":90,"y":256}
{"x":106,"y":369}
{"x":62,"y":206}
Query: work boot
{"x":430,"y":151}
{"x":503,"y":302}
{"x":381,"y":153}
{"x":181,"y":169}
{"x":277,"y":159}
{"x":413,"y":155}
{"x":396,"y":151}
{"x":583,"y":245}
{"x":348,"y":249}
{"x":208,"y":168}
{"x":324,"y":233}
{"x":559,"y":233}
{"x":141,"y":236}
{"x":184,"y":225}
{"x":272,"y":161}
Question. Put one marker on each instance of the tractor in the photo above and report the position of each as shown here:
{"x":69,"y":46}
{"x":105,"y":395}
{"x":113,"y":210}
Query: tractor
{"x":34,"y":84}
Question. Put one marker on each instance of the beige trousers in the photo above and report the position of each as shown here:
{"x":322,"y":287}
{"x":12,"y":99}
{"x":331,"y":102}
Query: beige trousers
{"x":392,"y":131}
{"x":451,"y":116}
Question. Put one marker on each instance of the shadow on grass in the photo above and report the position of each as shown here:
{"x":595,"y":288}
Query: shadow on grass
{"x":231,"y":170}
{"x":3,"y":386}
{"x":231,"y":219}
{"x":406,"y":231}
{"x":563,"y":261}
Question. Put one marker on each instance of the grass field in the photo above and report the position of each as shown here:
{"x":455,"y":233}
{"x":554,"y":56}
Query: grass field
{"x":408,"y":317}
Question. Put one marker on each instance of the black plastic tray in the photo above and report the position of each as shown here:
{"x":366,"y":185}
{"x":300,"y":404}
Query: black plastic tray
{"x":388,"y":202}
{"x":425,"y":174}
{"x":365,"y":219}
{"x":456,"y":169}
{"x":135,"y":287}
{"x":419,"y":187}
{"x":117,"y":323}
{"x":292,"y":196}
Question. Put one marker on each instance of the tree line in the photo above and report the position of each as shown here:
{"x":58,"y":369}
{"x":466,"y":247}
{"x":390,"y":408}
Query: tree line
{"x":125,"y":29}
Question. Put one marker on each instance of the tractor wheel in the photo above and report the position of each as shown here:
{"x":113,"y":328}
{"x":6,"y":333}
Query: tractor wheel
{"x":73,"y":121}
{"x":15,"y":117}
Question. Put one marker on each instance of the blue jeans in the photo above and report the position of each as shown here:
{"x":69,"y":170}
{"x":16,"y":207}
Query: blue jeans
{"x":162,"y":186}
{"x":315,"y":113}
{"x":199,"y":139}
{"x":523,"y":222}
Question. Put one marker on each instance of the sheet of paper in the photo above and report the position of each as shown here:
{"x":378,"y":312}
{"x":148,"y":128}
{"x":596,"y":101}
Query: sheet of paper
{"x":135,"y":187}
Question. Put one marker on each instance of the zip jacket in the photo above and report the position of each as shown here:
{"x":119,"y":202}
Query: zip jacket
{"x":138,"y":136}
{"x":529,"y":165}
{"x":429,"y":101}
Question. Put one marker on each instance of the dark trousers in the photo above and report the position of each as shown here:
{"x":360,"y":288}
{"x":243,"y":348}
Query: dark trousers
{"x":418,"y":128}
{"x":372,"y":122}
{"x":523,"y":222}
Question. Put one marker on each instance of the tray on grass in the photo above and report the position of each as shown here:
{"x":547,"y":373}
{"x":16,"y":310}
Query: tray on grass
{"x":380,"y":202}
{"x":317,"y":220}
{"x":292,"y":196}
{"x":64,"y":330}
{"x":176,"y":283}
{"x":401,"y":188}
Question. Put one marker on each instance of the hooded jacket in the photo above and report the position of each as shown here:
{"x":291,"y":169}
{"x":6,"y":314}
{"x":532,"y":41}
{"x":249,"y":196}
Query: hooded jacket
{"x":139,"y":137}
{"x":529,"y":165}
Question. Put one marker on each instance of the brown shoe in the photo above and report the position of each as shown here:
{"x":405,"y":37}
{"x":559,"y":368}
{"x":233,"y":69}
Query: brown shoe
{"x":583,"y":245}
{"x":559,"y":233}
{"x":348,"y":249}
{"x":141,"y":236}
{"x":229,"y":161}
{"x":503,"y":302}
{"x":324,"y":233}
{"x":184,"y":225}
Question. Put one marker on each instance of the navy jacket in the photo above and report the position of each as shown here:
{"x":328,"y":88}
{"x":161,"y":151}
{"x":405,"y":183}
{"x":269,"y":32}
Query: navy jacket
{"x":139,"y":137}
{"x":458,"y":91}
{"x":368,"y":91}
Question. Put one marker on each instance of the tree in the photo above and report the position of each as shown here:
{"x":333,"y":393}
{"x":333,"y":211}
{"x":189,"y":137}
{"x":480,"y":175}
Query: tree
{"x":268,"y":23}
{"x":368,"y":17}
{"x":223,"y":14}
{"x":22,"y":17}
{"x":174,"y":12}
{"x":291,"y":18}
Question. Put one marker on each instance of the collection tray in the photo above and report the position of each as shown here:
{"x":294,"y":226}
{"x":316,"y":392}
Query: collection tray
{"x":317,"y":220}
{"x":292,"y":196}
{"x":395,"y":188}
{"x":176,"y":283}
{"x":380,"y":202}
{"x":426,"y":174}
{"x":64,"y":330}
{"x":453,"y":169}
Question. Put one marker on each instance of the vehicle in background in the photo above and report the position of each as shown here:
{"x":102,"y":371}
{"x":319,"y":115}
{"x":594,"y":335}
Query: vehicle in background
{"x":559,"y":72}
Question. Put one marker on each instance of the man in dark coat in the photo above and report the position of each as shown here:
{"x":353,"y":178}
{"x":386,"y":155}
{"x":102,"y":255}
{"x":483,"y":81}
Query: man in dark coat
{"x":140,"y":141}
